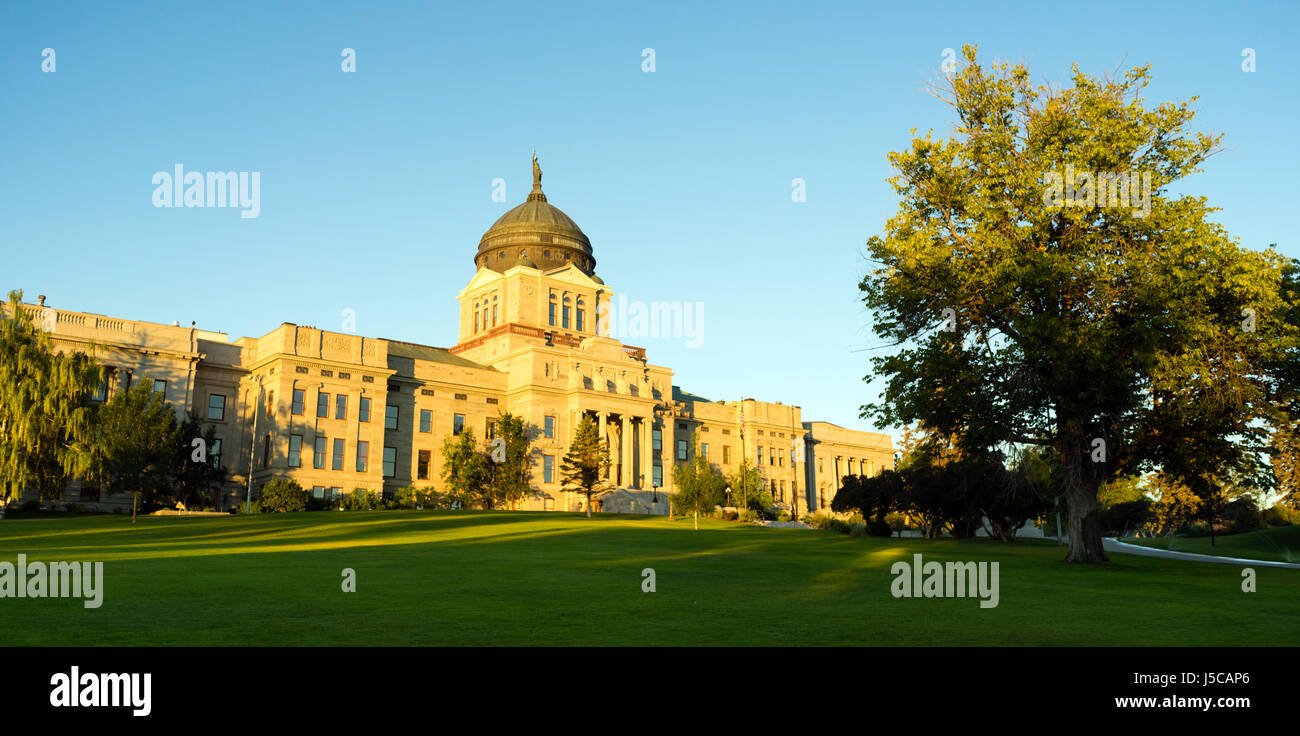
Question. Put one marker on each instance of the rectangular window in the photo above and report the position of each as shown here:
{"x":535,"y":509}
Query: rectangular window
{"x":101,"y":391}
{"x":658,"y":440}
{"x":390,"y":417}
{"x":681,"y":449}
{"x":490,"y":432}
{"x":160,"y":387}
{"x":426,"y":420}
{"x":422,"y":470}
{"x":658,"y":476}
{"x":771,"y":456}
{"x":390,"y":462}
{"x":216,"y":407}
{"x":760,"y":456}
{"x":214,"y":453}
{"x":578,"y":324}
{"x":341,"y":406}
{"x":363,"y":456}
{"x":552,"y":314}
{"x":457,"y":423}
{"x":323,"y":405}
{"x":266,"y":450}
{"x":318,"y":453}
{"x":298,"y":399}
{"x":819,"y":465}
{"x":295,"y":450}
{"x":339,"y":449}
{"x":548,"y":468}
{"x":726,"y":454}
{"x":549,"y":427}
{"x":704,"y":450}
{"x":565,"y":320}
{"x":363,"y":414}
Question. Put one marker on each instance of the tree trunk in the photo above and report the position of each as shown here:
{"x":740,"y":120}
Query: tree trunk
{"x":134,"y":497}
{"x":697,"y":521}
{"x":588,"y":505}
{"x":1085,"y":523}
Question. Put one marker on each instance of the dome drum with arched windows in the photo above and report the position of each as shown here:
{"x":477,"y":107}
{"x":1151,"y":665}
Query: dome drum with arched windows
{"x":537,"y":233}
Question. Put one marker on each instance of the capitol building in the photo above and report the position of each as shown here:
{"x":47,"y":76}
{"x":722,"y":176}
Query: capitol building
{"x":336,"y":411}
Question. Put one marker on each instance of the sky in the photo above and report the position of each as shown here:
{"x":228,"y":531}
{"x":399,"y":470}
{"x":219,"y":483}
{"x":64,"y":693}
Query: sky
{"x":376,"y":184}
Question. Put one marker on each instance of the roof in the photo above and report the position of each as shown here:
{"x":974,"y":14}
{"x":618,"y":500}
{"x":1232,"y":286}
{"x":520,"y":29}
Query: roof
{"x":680,"y":395}
{"x":430,"y":353}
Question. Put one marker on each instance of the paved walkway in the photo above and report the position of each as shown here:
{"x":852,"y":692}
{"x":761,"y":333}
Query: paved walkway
{"x":1114,"y":545}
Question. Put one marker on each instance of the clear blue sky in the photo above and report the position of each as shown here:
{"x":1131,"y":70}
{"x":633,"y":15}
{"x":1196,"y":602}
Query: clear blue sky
{"x":376,"y":185}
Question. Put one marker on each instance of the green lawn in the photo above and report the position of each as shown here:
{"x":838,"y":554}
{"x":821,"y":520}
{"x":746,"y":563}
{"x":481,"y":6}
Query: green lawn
{"x":1280,"y":545}
{"x":485,"y":578}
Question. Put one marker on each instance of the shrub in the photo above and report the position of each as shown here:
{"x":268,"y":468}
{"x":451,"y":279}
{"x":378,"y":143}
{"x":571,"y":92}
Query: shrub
{"x":879,"y":528}
{"x":748,"y":515}
{"x":896,"y":521}
{"x":783,"y":515}
{"x":836,"y":525}
{"x":361,"y":500}
{"x":1248,"y":521}
{"x":1281,"y":516}
{"x":857,"y":530}
{"x":818,"y":519}
{"x":282,"y":495}
{"x":1197,"y":529}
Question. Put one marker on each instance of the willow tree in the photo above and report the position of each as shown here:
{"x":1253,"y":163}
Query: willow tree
{"x":46,"y":421}
{"x":1041,"y":285}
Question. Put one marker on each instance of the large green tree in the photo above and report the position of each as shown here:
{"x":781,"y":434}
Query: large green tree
{"x":464,"y":469}
{"x":1029,"y":308}
{"x":46,"y":417}
{"x":137,"y":439}
{"x":698,"y":485}
{"x":510,"y":462}
{"x":750,"y":491}
{"x":582,"y":469}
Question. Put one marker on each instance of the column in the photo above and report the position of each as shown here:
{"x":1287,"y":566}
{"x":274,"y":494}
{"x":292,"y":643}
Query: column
{"x":600,"y":418}
{"x":647,"y":455}
{"x":625,"y":450}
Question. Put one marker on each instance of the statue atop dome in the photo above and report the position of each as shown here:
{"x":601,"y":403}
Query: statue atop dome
{"x":537,"y":173}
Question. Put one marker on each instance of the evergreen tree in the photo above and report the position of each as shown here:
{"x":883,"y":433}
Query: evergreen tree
{"x":584,"y":465}
{"x":197,"y":480}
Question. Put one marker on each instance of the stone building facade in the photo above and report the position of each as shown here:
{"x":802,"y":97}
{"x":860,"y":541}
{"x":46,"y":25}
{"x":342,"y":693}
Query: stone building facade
{"x":337,"y":411}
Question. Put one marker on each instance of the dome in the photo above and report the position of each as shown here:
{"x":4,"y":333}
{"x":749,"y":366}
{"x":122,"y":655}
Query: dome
{"x":538,"y":231}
